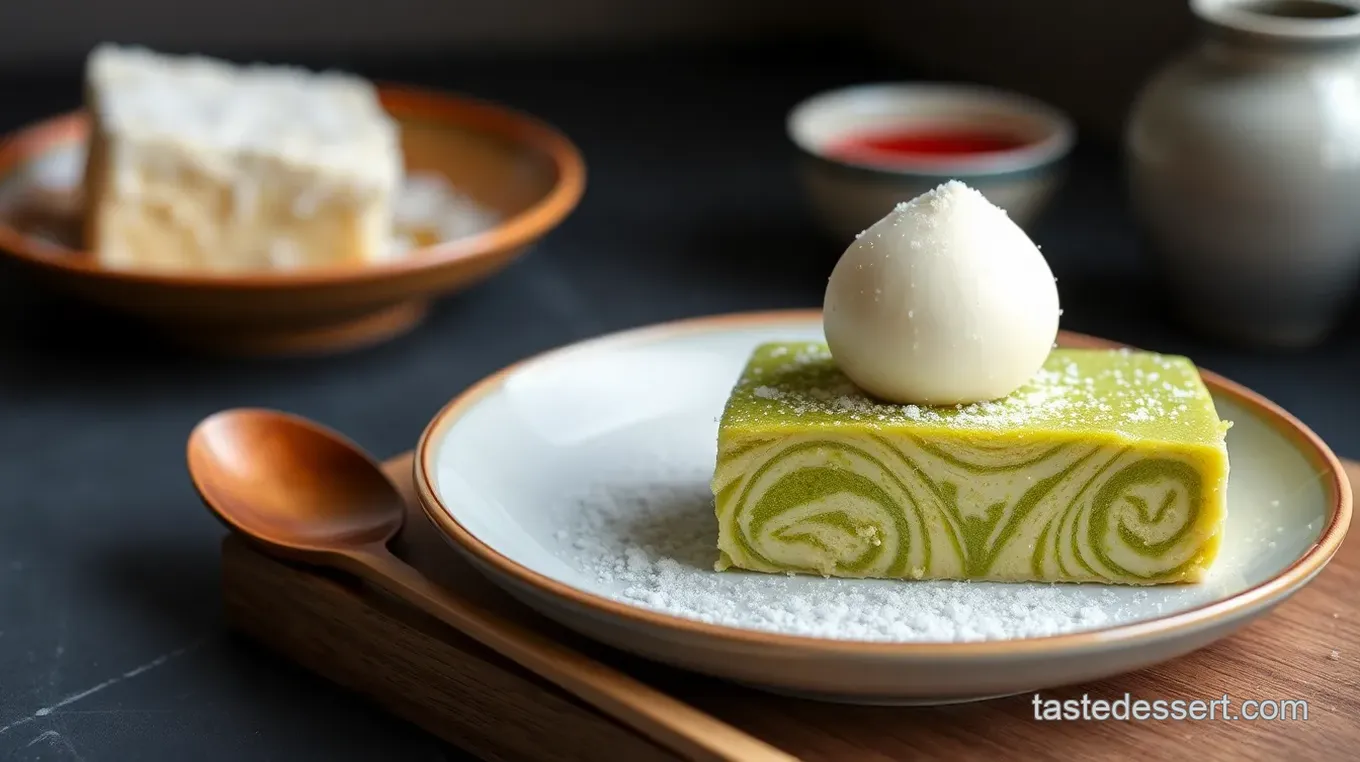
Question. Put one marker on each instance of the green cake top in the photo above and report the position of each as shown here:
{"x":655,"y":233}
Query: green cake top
{"x":1140,"y":395}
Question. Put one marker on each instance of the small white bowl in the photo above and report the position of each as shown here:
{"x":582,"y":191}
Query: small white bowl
{"x":848,"y":194}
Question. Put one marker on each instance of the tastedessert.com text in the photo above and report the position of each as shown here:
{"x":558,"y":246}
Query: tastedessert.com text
{"x":1128,"y":708}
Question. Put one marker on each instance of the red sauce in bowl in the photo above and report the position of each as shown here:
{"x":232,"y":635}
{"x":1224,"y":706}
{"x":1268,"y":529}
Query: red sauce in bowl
{"x":915,"y":143}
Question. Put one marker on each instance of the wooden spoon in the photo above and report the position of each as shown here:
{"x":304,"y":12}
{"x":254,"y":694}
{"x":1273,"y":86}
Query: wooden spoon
{"x":305,"y":493}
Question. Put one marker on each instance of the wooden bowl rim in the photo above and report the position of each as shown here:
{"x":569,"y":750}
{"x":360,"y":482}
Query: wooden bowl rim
{"x":1288,"y":581}
{"x":405,"y":103}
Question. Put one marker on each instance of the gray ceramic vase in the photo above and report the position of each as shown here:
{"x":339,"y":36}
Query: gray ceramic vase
{"x":1244,"y":169}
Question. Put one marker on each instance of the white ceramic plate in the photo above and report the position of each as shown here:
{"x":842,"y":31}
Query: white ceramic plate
{"x":578,"y":482}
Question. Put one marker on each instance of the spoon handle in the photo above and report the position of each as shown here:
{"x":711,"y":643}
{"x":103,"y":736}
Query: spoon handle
{"x":672,"y":723}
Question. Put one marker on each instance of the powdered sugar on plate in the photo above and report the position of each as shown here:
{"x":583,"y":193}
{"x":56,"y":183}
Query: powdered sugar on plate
{"x":649,"y":540}
{"x":429,"y":210}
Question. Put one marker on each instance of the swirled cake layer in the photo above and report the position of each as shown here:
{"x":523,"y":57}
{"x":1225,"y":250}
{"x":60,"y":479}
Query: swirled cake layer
{"x":1109,"y":466}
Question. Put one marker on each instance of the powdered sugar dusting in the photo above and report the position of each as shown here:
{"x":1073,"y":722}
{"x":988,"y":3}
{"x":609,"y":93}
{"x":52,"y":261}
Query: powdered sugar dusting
{"x":650,"y":539}
{"x":1135,"y":393}
{"x":428,"y":210}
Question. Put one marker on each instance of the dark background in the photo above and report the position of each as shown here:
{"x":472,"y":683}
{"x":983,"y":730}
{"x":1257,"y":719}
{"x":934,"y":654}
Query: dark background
{"x":111,"y":644}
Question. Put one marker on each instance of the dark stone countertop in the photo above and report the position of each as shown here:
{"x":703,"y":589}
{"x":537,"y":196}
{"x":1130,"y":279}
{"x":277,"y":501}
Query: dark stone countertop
{"x":111,"y":642}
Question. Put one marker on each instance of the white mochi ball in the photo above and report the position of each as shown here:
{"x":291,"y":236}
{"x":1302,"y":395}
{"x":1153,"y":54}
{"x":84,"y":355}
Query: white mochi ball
{"x":943,"y":301}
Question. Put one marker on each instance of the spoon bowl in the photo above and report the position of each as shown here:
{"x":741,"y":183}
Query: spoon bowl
{"x":292,"y":483}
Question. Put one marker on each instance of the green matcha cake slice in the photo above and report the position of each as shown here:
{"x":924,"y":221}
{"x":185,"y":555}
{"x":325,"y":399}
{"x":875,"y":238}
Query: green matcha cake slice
{"x":1108,"y":466}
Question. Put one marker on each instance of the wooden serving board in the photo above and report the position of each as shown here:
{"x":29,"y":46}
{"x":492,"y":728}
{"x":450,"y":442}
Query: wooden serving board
{"x":1308,"y":648}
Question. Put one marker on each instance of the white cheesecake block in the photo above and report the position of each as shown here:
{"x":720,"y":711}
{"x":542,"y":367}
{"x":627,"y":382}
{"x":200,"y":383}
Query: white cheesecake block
{"x":197,"y":164}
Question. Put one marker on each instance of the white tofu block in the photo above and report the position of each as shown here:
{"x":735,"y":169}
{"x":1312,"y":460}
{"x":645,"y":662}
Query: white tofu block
{"x":201,"y":165}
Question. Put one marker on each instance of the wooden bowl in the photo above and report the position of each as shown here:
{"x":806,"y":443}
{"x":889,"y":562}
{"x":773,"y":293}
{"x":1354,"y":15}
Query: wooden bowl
{"x":524,"y":171}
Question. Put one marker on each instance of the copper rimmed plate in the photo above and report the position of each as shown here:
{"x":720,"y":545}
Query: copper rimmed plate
{"x":578,"y":482}
{"x":526,"y":174}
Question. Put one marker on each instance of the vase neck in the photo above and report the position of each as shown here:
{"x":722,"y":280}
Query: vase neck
{"x":1321,"y":25}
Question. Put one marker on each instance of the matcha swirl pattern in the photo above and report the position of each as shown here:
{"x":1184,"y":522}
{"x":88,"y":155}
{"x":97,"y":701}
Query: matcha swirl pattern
{"x":898,"y":507}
